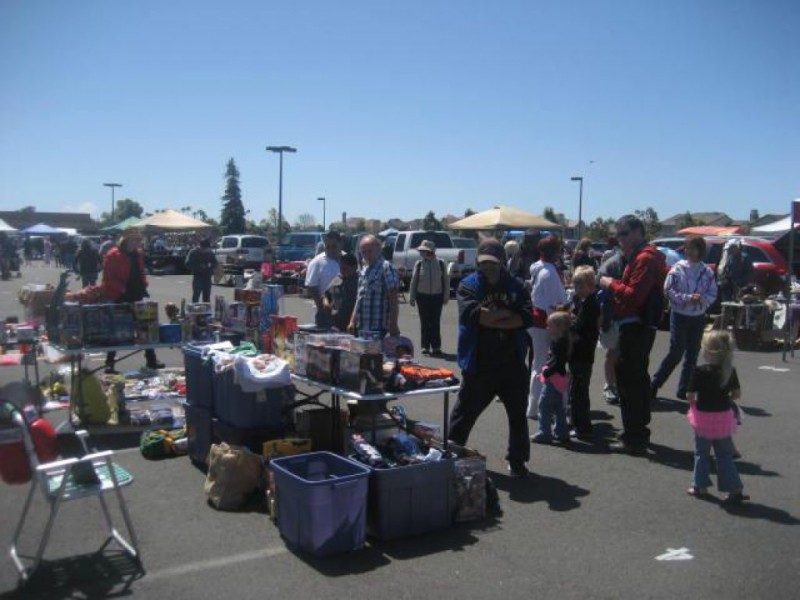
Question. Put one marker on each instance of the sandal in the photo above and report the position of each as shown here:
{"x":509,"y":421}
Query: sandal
{"x":698,"y":492}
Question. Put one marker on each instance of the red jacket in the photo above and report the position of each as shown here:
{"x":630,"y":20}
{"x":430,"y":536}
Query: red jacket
{"x":117,"y":270}
{"x":645,"y":273}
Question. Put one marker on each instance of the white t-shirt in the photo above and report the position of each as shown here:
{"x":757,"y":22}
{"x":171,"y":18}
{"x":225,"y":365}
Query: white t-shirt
{"x":321,"y":272}
{"x":548,"y":291}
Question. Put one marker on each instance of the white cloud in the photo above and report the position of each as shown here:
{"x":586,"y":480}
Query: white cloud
{"x":84,"y":207}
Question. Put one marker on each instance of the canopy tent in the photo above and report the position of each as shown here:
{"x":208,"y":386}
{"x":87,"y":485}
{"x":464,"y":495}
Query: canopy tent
{"x":6,"y":227}
{"x":122,"y":225}
{"x":43,"y":229}
{"x":504,"y":217}
{"x":781,"y":226}
{"x":171,"y":219}
{"x":709,"y":230}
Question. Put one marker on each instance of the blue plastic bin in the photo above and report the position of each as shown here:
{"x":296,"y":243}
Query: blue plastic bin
{"x":199,"y":377}
{"x":322,"y":502}
{"x":249,"y":410}
{"x":198,"y":432}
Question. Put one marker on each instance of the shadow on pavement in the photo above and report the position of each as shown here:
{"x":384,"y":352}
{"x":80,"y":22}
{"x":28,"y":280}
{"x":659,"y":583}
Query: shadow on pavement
{"x":669,"y":405}
{"x":600,"y":415}
{"x":753,"y":510}
{"x":362,"y":561}
{"x":559,"y":495}
{"x":102,"y":574}
{"x":454,"y":539}
{"x":753,"y":411}
{"x":684,"y":459}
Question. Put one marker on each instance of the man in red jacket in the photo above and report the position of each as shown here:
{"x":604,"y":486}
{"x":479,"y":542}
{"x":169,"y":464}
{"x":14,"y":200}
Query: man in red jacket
{"x":638,"y":302}
{"x":125,"y":280}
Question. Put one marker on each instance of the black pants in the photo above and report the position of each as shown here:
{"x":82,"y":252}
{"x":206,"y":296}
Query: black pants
{"x":201,"y":284}
{"x":150,"y":358}
{"x":580,"y":376}
{"x":633,"y":381}
{"x":430,"y":315}
{"x":477,"y":392}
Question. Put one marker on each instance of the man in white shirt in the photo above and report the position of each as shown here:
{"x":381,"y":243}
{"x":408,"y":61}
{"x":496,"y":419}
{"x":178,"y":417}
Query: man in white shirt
{"x":320,"y":273}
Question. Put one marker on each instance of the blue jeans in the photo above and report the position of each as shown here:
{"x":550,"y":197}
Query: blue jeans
{"x":728,"y":479}
{"x":685,"y":335}
{"x":551,"y":404}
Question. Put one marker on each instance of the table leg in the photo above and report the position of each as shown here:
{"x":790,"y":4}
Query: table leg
{"x":446,"y":421}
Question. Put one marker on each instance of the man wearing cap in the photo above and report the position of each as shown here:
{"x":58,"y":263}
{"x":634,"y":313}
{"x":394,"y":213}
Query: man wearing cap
{"x":377,"y":304}
{"x":125,"y":280}
{"x":320,"y":273}
{"x":430,"y":289}
{"x":494,"y":312}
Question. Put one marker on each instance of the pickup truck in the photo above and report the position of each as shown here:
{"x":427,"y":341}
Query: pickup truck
{"x":460,"y":261}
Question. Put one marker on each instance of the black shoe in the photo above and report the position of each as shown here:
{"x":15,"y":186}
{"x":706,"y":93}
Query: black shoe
{"x":155,"y":365}
{"x":626,"y":448}
{"x":681,"y":395}
{"x":426,"y":352}
{"x":517,"y":471}
{"x":436,"y":352}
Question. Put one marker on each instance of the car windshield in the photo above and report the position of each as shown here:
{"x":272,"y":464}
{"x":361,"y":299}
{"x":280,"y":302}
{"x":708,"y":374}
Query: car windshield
{"x":254,"y":242}
{"x":464,"y":243}
{"x":439,"y":238}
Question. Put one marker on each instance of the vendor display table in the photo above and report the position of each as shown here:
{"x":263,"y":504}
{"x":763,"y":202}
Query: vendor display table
{"x":337,"y":393}
{"x":75,"y":356}
{"x":751,"y":323}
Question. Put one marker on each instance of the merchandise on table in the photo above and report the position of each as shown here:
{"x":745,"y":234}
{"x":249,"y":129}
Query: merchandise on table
{"x":145,"y":310}
{"x":198,"y":308}
{"x":322,"y":362}
{"x":97,"y":325}
{"x":70,"y":327}
{"x":122,"y":324}
{"x":169,"y":333}
{"x":282,"y":332}
{"x":147,"y":332}
{"x":362,"y":373}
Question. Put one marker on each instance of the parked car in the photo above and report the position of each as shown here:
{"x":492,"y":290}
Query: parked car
{"x":464,"y":242}
{"x":240,"y":253}
{"x":460,"y":261}
{"x":298,"y":245}
{"x":770,"y":268}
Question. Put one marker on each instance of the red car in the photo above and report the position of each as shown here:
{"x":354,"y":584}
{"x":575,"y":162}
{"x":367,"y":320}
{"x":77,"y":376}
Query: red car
{"x":770,"y":268}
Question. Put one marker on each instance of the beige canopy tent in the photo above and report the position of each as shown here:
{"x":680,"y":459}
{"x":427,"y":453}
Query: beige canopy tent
{"x":504,"y":217}
{"x":171,"y":220}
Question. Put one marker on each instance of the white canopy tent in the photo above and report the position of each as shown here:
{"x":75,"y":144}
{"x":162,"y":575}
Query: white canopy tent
{"x":780,"y":226}
{"x":6,"y":227}
{"x":171,"y":220}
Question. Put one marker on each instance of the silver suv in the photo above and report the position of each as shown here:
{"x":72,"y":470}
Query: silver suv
{"x":236,"y":253}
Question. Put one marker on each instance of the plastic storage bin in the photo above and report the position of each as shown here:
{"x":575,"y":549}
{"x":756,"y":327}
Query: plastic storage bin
{"x":411,"y":500}
{"x":252,"y":438}
{"x":198,"y":432}
{"x":262,"y":409}
{"x":199,"y":377}
{"x":322,"y":502}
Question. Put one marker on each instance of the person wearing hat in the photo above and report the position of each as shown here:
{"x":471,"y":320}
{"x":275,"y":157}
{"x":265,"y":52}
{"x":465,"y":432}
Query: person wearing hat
{"x":125,"y":280}
{"x":201,"y":262}
{"x":494,"y":313}
{"x":320,"y":273}
{"x":430,"y":289}
{"x":734,"y":272}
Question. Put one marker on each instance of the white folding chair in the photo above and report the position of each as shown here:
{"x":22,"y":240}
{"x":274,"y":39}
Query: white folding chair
{"x":72,"y":479}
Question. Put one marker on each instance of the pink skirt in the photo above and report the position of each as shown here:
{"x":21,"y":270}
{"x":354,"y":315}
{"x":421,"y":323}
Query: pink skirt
{"x":558,"y":381}
{"x":712,"y":425}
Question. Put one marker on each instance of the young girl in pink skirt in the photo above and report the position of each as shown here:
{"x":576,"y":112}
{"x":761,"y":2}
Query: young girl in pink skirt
{"x":712,"y":391}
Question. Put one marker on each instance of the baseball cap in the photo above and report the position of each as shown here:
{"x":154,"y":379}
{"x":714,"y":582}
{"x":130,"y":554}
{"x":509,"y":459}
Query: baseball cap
{"x":491,"y":251}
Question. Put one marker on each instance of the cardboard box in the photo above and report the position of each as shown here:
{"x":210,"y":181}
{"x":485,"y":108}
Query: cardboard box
{"x":97,"y":325}
{"x":362,"y":373}
{"x":283,"y":329}
{"x":322,"y":363}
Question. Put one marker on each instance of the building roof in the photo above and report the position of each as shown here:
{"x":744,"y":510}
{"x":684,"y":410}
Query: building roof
{"x":83,"y":222}
{"x":700,"y":218}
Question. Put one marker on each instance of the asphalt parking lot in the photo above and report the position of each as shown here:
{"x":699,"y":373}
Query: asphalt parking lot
{"x":586,"y":523}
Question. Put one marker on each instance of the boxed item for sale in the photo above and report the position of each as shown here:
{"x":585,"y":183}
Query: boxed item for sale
{"x":247,"y":296}
{"x":237,"y":310}
{"x":169,"y":333}
{"x":97,"y":325}
{"x":365,"y":346}
{"x":362,"y":373}
{"x":70,"y":327}
{"x":220,"y":309}
{"x":122,"y":324}
{"x":300,"y":356}
{"x":146,"y":310}
{"x":322,"y":363}
{"x":198,"y":308}
{"x":283,"y":329}
{"x":253,"y":315}
{"x":146,"y":332}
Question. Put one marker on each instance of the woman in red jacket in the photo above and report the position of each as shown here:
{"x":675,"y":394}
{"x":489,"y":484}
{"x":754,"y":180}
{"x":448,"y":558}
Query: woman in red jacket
{"x":125,"y":280}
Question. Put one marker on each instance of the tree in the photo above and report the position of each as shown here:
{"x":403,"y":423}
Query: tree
{"x":650,"y":219}
{"x":123,"y":209}
{"x":687,"y":220}
{"x":431,"y":223}
{"x":600,"y":229}
{"x":468,"y":213}
{"x":272,"y":222}
{"x":306,"y":222}
{"x":361,"y":226}
{"x":27,"y":210}
{"x":232,"y":219}
{"x":550,"y":214}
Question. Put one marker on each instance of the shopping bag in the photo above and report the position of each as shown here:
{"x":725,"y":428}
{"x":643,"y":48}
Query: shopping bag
{"x":234,"y":473}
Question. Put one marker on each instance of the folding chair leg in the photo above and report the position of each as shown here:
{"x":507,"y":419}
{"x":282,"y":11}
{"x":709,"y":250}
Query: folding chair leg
{"x":133,"y":546}
{"x":14,"y":554}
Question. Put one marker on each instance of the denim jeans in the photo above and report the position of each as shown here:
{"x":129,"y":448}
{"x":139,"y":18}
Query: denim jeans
{"x":728,"y":479}
{"x":685,"y":335}
{"x":551,"y":405}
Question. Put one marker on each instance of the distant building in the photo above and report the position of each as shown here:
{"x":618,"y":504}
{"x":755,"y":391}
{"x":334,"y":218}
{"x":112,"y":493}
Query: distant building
{"x":82,"y":222}
{"x":671,"y":225}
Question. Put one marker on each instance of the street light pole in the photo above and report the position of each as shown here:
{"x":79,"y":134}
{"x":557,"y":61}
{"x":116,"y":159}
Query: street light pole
{"x":580,"y":205}
{"x":280,"y":150}
{"x":323,"y":211}
{"x":112,"y":186}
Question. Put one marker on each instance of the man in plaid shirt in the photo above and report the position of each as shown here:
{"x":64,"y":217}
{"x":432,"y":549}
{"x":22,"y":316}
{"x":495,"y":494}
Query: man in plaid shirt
{"x":377,"y":304}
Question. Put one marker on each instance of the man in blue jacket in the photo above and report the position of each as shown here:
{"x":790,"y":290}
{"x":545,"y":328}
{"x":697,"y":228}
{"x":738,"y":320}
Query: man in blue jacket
{"x":494,"y":312}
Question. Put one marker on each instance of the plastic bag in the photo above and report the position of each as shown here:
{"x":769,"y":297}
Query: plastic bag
{"x":234,"y":473}
{"x":260,"y":372}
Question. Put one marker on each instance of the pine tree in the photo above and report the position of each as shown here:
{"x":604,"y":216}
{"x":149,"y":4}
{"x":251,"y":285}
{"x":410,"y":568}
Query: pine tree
{"x":232,"y":218}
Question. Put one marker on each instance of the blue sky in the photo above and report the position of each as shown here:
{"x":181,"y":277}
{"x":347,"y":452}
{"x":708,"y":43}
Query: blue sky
{"x":397,"y":108}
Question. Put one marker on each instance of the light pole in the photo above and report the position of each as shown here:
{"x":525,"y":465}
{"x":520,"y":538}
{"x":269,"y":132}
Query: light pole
{"x":280,"y":150}
{"x":580,"y":205}
{"x":112,"y":186}
{"x":323,"y":211}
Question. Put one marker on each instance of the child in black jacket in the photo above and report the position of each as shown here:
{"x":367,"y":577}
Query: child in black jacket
{"x":554,"y":378}
{"x":585,"y":330}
